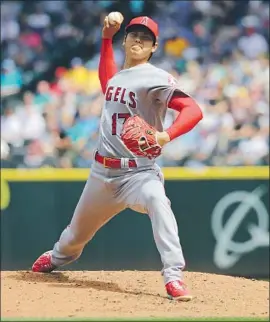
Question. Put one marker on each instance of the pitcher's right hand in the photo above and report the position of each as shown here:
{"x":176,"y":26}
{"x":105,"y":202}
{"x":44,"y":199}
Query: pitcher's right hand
{"x":112,"y":24}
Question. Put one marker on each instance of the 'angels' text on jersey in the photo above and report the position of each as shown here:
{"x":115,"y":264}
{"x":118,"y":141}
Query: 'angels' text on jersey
{"x":121,"y":95}
{"x":142,"y":90}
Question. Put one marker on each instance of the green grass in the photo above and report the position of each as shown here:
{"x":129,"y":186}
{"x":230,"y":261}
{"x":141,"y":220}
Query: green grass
{"x":137,"y":319}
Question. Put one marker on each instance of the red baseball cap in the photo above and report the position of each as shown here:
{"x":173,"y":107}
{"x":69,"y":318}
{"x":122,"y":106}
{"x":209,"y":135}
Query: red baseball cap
{"x":145,"y":21}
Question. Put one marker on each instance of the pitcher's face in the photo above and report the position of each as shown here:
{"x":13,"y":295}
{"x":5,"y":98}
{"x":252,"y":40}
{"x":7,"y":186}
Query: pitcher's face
{"x":139,"y":43}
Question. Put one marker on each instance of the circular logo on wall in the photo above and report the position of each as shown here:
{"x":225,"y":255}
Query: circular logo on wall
{"x":227,"y":251}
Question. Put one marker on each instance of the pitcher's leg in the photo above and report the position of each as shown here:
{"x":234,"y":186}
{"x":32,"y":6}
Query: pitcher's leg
{"x":157,"y":205}
{"x":95,"y":207}
{"x":148,"y":196}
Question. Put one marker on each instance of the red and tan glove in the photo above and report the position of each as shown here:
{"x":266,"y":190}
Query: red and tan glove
{"x":140,"y":137}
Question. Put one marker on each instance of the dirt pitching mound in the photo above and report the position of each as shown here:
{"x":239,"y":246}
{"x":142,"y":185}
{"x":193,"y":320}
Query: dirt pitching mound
{"x":128,"y":294}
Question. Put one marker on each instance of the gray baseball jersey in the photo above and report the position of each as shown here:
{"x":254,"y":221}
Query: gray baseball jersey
{"x":144,"y":90}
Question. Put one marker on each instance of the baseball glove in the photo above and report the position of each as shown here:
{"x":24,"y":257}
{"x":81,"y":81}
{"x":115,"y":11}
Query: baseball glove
{"x":140,"y":137}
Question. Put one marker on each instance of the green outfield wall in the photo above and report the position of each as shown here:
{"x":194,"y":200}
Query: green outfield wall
{"x":222,"y":215}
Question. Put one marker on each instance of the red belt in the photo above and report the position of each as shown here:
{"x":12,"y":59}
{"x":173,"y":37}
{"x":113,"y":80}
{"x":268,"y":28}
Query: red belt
{"x":113,"y":162}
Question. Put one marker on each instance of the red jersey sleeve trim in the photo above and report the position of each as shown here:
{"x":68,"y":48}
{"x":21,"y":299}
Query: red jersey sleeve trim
{"x":107,"y":67}
{"x":189,"y":115}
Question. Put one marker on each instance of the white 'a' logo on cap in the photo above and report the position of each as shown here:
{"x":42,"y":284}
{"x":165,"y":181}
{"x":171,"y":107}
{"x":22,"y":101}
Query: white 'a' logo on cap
{"x":144,"y":21}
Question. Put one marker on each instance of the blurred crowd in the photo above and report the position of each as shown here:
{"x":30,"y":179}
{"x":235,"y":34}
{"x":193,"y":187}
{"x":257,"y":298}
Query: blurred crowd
{"x":218,"y":51}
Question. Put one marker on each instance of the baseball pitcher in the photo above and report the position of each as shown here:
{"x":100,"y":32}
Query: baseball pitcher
{"x":124,"y":174}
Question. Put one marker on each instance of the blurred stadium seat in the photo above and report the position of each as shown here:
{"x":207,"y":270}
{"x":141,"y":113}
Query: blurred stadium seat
{"x":51,"y":98}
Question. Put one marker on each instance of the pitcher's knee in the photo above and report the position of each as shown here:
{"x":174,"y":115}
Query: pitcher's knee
{"x":73,"y":241}
{"x":76,"y":239}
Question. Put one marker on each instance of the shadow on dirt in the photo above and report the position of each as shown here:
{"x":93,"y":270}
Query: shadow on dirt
{"x":62,"y":280}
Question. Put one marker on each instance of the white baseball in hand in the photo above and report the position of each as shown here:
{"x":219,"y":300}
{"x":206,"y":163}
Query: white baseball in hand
{"x":115,"y":18}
